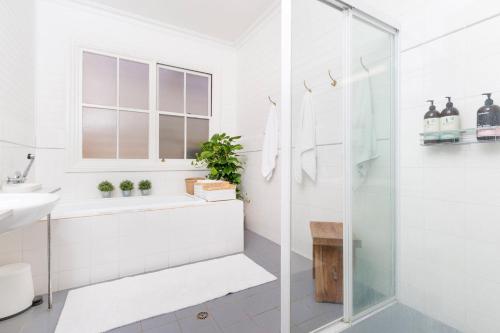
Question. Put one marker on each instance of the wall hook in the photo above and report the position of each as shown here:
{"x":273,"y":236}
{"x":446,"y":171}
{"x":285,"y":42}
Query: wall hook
{"x":307,"y":88}
{"x":363,"y":64}
{"x":334,"y":82}
{"x":271,"y":101}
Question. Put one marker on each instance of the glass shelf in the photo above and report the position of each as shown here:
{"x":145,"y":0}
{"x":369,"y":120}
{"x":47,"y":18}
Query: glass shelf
{"x":463,"y":137}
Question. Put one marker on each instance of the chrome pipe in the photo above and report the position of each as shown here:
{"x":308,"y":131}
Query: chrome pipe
{"x":49,"y":255}
{"x":30,"y":157}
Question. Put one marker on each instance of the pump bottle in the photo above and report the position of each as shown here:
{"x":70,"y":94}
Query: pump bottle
{"x":488,"y":120}
{"x":431,"y":124}
{"x":450,"y":123}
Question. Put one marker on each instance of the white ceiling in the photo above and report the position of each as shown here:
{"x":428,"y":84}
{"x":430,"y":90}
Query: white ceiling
{"x":221,"y":19}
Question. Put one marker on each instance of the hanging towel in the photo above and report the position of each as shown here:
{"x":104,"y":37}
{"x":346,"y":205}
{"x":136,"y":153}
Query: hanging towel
{"x":270,"y":145}
{"x":305,"y":146}
{"x":364,"y":138}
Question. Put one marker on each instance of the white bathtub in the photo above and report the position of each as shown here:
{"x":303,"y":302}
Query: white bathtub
{"x":104,"y":239}
{"x":120,"y":205}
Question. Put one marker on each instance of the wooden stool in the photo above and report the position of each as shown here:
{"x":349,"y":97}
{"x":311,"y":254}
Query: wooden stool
{"x":327,"y":261}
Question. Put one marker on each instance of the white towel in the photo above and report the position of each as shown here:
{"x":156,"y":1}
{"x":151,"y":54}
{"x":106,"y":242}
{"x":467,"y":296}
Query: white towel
{"x":305,"y":146}
{"x":364,"y":138}
{"x":270,"y":144}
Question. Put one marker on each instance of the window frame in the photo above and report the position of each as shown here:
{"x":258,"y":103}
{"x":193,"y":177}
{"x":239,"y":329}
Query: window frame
{"x":75,"y":163}
{"x":117,"y":108}
{"x":184,"y":115}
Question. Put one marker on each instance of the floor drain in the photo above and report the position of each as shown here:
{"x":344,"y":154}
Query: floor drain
{"x":202,"y":315}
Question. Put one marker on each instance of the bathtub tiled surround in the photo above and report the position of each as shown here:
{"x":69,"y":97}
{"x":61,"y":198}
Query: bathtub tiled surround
{"x":98,"y":248}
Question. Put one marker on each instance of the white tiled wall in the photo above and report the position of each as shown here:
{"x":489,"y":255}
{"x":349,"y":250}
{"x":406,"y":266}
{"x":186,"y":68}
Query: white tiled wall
{"x":17,"y":68}
{"x":258,"y":78}
{"x":16,"y":84}
{"x":99,"y":248}
{"x":449,"y":203}
{"x":426,"y":19}
{"x":96,"y":29}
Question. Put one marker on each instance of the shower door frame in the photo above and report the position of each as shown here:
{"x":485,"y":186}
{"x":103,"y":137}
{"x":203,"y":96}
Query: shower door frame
{"x":369,"y":15}
{"x":377,"y":23}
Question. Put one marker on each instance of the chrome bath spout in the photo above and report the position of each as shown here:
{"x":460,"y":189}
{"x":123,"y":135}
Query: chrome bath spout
{"x":21,"y":178}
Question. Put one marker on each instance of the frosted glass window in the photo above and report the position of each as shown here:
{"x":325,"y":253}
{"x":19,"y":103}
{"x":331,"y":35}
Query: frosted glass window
{"x":197,"y":133}
{"x":134,"y":84}
{"x":197,"y":95}
{"x":171,"y":137}
{"x":134,"y":134}
{"x":170,"y":90}
{"x":98,"y":133}
{"x":99,"y":81}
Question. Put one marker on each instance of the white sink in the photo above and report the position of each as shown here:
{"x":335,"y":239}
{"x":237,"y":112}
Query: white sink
{"x":21,"y":188}
{"x":20,"y":209}
{"x":5,"y":213}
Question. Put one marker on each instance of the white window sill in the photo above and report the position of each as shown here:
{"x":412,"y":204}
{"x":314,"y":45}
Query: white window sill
{"x":84,"y":166}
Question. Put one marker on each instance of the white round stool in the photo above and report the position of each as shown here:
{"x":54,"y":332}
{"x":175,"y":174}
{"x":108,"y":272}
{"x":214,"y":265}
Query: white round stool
{"x":16,"y":288}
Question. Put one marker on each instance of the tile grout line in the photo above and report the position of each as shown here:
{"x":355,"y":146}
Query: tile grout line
{"x":470,"y":25}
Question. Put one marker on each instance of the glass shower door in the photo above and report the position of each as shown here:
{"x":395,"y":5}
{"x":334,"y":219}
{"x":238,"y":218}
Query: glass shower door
{"x":372,"y":164}
{"x":317,"y":196}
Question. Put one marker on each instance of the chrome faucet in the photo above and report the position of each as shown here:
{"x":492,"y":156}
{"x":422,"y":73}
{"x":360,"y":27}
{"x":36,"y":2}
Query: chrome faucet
{"x":19,"y":177}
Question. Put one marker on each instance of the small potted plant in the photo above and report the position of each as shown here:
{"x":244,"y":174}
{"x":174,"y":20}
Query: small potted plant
{"x":106,"y":188}
{"x":126,"y":186}
{"x":145,"y":187}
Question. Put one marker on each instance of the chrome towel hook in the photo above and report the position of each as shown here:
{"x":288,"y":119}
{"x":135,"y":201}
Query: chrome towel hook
{"x":271,"y":101}
{"x":334,"y":82}
{"x":307,"y":88}
{"x":363,"y":64}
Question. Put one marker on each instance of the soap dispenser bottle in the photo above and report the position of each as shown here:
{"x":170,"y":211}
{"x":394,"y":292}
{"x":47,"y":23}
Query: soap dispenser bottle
{"x":488,"y":116}
{"x":450,"y":123}
{"x":432,"y":124}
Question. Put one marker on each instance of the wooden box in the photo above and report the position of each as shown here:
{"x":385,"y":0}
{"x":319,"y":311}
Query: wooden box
{"x":190,"y":184}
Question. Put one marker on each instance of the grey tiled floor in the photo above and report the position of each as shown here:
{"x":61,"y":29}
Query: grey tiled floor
{"x":254,"y":310}
{"x":400,"y":319}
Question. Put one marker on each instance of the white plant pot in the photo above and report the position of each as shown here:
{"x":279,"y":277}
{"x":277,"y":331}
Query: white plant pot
{"x":126,"y":193}
{"x":146,"y":192}
{"x":106,"y":194}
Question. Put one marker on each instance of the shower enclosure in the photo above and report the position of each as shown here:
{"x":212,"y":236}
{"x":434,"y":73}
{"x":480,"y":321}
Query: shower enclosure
{"x":339,"y":140}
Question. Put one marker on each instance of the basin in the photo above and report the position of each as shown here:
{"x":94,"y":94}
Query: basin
{"x":4,"y":213}
{"x":20,"y":209}
{"x":21,"y":187}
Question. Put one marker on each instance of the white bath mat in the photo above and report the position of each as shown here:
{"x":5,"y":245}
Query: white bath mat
{"x":108,"y":305}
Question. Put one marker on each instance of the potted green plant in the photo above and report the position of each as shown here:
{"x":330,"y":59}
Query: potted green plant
{"x":220,"y":156}
{"x":126,"y":186}
{"x":106,"y":188}
{"x":145,"y":187}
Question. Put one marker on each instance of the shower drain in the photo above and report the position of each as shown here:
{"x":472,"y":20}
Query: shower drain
{"x":202,"y":315}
